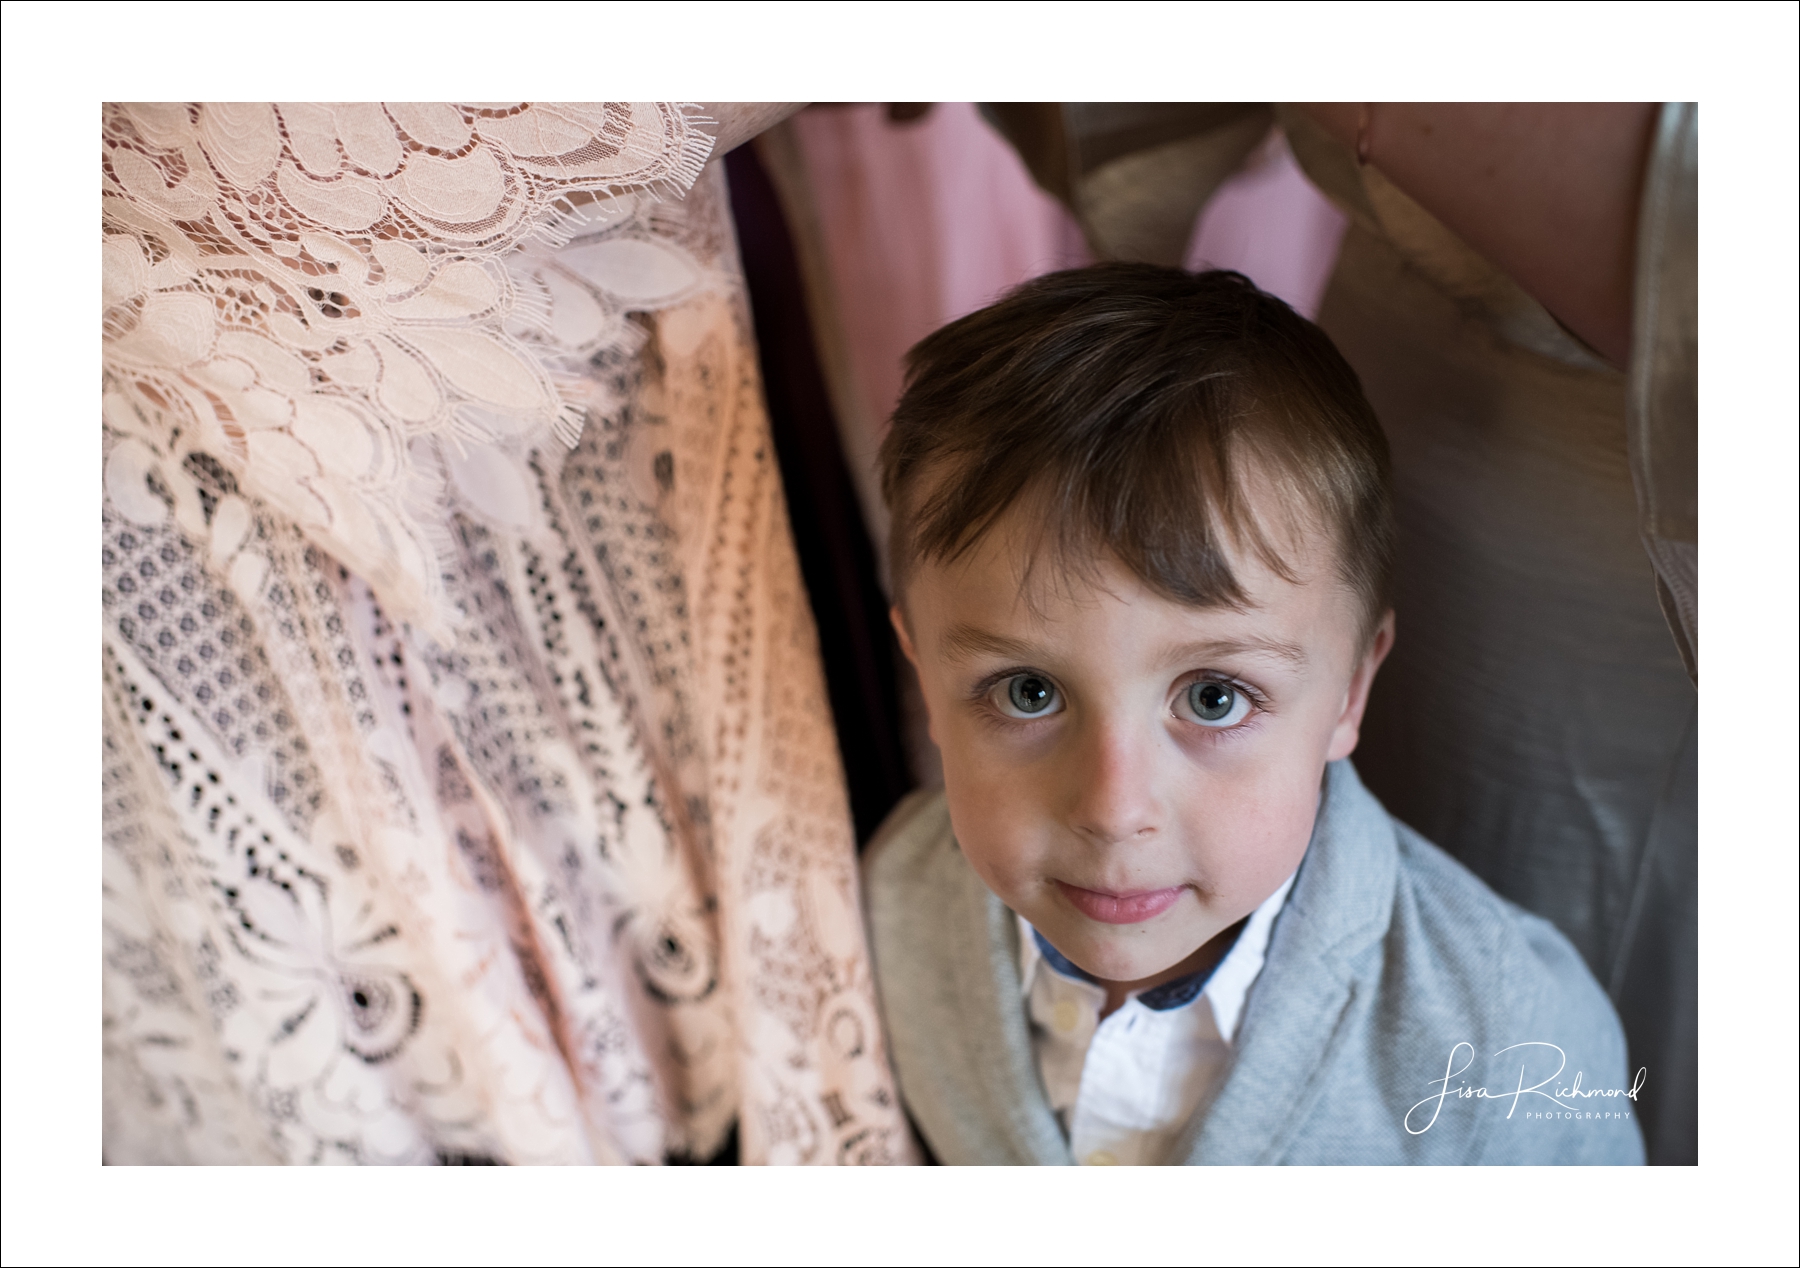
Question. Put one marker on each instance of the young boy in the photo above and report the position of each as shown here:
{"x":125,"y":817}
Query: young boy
{"x":1141,"y":547}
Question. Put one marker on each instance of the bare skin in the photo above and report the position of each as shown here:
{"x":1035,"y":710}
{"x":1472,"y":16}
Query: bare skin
{"x":1547,"y":191}
{"x":1127,"y":828}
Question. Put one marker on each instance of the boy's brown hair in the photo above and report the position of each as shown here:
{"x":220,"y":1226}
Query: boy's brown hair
{"x":1129,"y":403}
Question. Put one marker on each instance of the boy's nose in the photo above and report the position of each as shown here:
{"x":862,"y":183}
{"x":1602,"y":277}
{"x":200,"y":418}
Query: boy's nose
{"x":1113,"y":788}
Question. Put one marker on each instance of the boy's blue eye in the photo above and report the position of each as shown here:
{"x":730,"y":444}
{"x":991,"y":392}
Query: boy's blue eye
{"x":1030,"y":695}
{"x":1217,"y":704}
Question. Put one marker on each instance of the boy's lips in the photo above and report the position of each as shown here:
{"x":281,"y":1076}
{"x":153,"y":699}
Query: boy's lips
{"x":1119,"y":909}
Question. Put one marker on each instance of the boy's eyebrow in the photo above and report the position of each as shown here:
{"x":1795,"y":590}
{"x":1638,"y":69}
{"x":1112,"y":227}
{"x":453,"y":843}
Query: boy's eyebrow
{"x":965,"y":642}
{"x":1208,"y":649}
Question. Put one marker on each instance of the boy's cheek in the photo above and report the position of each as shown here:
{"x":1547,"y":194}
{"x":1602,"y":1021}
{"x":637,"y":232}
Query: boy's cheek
{"x":998,"y":823}
{"x":1250,"y":852}
{"x":1257,"y":812}
{"x":990,"y":817}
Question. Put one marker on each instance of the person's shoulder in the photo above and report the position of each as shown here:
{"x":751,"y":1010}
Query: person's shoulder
{"x":1515,"y":985}
{"x":915,"y":831}
{"x":912,"y":872}
{"x":944,"y":952}
{"x":1463,"y":924}
{"x":1402,"y":1005}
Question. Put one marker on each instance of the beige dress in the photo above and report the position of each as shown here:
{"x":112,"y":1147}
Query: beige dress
{"x":1535,"y":717}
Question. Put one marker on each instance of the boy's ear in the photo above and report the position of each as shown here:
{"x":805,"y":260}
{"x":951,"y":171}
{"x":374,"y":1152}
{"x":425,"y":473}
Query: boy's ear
{"x":1356,"y":699}
{"x":898,"y":619}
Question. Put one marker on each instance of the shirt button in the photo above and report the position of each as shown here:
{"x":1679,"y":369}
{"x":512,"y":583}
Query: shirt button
{"x":1100,"y":1158}
{"x":1065,"y":1016}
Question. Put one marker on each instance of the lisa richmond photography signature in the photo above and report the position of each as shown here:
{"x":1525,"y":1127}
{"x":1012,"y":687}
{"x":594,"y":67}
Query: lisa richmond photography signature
{"x":1533,"y":1058}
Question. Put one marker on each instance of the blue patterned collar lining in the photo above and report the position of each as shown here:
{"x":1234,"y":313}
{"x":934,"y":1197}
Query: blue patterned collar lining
{"x":1171,"y":994}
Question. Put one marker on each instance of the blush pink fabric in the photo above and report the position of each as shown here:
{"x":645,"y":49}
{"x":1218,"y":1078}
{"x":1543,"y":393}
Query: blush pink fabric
{"x":923,"y":222}
{"x":1274,"y":226}
{"x":929,"y":220}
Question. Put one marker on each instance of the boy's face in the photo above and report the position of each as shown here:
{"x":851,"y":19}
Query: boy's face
{"x":1132,"y":775}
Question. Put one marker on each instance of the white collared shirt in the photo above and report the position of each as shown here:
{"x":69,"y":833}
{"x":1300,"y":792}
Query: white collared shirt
{"x":1123,"y":1088}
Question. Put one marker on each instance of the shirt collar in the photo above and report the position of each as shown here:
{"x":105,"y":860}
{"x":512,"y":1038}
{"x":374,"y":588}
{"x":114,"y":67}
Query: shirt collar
{"x":1166,"y":995}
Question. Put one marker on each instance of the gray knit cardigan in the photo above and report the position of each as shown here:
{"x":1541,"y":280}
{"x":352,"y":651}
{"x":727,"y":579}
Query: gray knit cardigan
{"x":1402,"y":1008}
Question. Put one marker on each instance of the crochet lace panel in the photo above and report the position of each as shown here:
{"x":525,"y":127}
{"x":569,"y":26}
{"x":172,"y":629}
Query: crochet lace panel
{"x":470,"y":787}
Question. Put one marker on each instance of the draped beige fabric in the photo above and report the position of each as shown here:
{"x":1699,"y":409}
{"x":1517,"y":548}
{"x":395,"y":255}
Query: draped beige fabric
{"x":470,"y":788}
{"x":1535,"y":716}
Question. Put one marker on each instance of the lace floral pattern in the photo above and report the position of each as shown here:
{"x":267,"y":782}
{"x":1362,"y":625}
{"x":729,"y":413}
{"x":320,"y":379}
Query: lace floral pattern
{"x":470,"y":791}
{"x":341,"y":301}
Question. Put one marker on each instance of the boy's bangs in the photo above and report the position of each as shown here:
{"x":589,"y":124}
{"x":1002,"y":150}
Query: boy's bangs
{"x":1175,"y":510}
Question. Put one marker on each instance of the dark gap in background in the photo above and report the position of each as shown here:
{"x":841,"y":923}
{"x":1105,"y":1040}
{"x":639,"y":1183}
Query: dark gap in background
{"x":837,"y":560}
